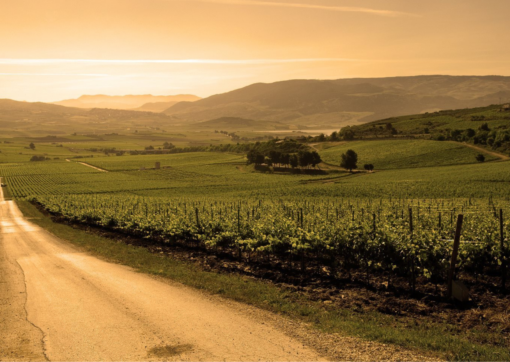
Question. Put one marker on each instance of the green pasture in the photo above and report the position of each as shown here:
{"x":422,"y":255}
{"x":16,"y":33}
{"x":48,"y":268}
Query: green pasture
{"x":400,"y":154}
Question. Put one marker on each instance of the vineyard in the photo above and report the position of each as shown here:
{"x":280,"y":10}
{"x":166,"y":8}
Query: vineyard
{"x":403,"y":237}
{"x":415,"y":153}
{"x":396,"y":223}
{"x":363,"y":243}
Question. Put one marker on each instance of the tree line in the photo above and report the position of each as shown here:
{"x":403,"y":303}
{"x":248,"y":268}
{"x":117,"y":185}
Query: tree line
{"x":303,"y":159}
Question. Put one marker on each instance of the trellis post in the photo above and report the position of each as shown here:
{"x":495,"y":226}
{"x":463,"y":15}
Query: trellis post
{"x":453,"y":262}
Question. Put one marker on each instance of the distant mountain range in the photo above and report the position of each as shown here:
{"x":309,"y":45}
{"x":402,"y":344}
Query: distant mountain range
{"x":335,"y":103}
{"x":41,"y":119}
{"x":130,"y":102}
{"x":294,"y":105}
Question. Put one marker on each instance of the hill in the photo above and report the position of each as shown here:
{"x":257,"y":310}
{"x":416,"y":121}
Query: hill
{"x":124,"y":102}
{"x":399,"y":154}
{"x":336,"y":103}
{"x":42,"y":119}
{"x":9,"y":105}
{"x":487,"y":127}
{"x":237,"y":123}
{"x":436,"y":123}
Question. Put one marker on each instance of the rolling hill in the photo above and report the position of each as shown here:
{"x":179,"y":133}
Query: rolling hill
{"x":125,"y":102}
{"x":337,"y":103}
{"x":41,"y":119}
{"x":435,"y":123}
{"x":237,"y":124}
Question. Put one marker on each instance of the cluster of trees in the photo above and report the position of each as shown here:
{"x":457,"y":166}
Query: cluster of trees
{"x":107,"y":151}
{"x":484,"y":135}
{"x":369,"y":167}
{"x":232,"y":135}
{"x":350,"y":133}
{"x":39,"y":158}
{"x":345,"y":134}
{"x":303,"y":159}
{"x":168,"y":146}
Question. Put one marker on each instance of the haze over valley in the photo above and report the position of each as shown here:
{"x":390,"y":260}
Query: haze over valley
{"x":288,"y":105}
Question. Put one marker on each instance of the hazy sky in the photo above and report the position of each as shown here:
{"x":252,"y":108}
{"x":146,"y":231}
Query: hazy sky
{"x":57,"y":49}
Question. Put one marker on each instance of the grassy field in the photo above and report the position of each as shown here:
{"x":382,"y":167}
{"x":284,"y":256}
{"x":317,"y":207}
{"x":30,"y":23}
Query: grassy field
{"x":400,"y":154}
{"x":17,"y":149}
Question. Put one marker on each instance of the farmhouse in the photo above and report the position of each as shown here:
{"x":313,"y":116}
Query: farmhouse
{"x":505,"y":108}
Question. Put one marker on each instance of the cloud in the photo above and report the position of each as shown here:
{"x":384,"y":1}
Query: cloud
{"x":54,"y":74}
{"x":351,"y":9}
{"x":170,"y":61}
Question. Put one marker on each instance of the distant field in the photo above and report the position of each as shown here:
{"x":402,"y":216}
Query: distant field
{"x":396,"y":154}
{"x":226,"y":176}
{"x":194,"y":159}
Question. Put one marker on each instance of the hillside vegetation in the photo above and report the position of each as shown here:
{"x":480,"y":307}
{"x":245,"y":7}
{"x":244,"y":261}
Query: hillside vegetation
{"x":41,"y":119}
{"x":487,"y":127}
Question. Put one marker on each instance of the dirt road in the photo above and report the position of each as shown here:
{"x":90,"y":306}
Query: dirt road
{"x":483,"y":150}
{"x":60,"y":304}
{"x":94,"y":167}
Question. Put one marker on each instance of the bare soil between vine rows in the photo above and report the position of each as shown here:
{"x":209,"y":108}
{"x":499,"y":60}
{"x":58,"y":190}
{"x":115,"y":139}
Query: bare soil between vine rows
{"x":488,"y":310}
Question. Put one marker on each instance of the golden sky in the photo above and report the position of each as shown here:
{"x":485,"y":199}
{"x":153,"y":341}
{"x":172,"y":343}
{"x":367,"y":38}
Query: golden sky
{"x":57,"y":49}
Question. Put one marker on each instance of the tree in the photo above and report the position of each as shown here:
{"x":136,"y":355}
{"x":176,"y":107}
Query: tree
{"x":255,"y":157}
{"x":168,"y":146}
{"x":484,"y":127}
{"x":455,"y":134}
{"x":480,"y":158}
{"x":349,"y":160}
{"x":304,"y":158}
{"x":470,"y":133}
{"x":369,"y":167}
{"x":347,"y":133}
{"x":294,"y":162}
{"x":32,"y":146}
{"x":38,"y":158}
{"x":259,"y":159}
{"x":276,"y":157}
{"x":315,"y":159}
{"x":285,"y":159}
